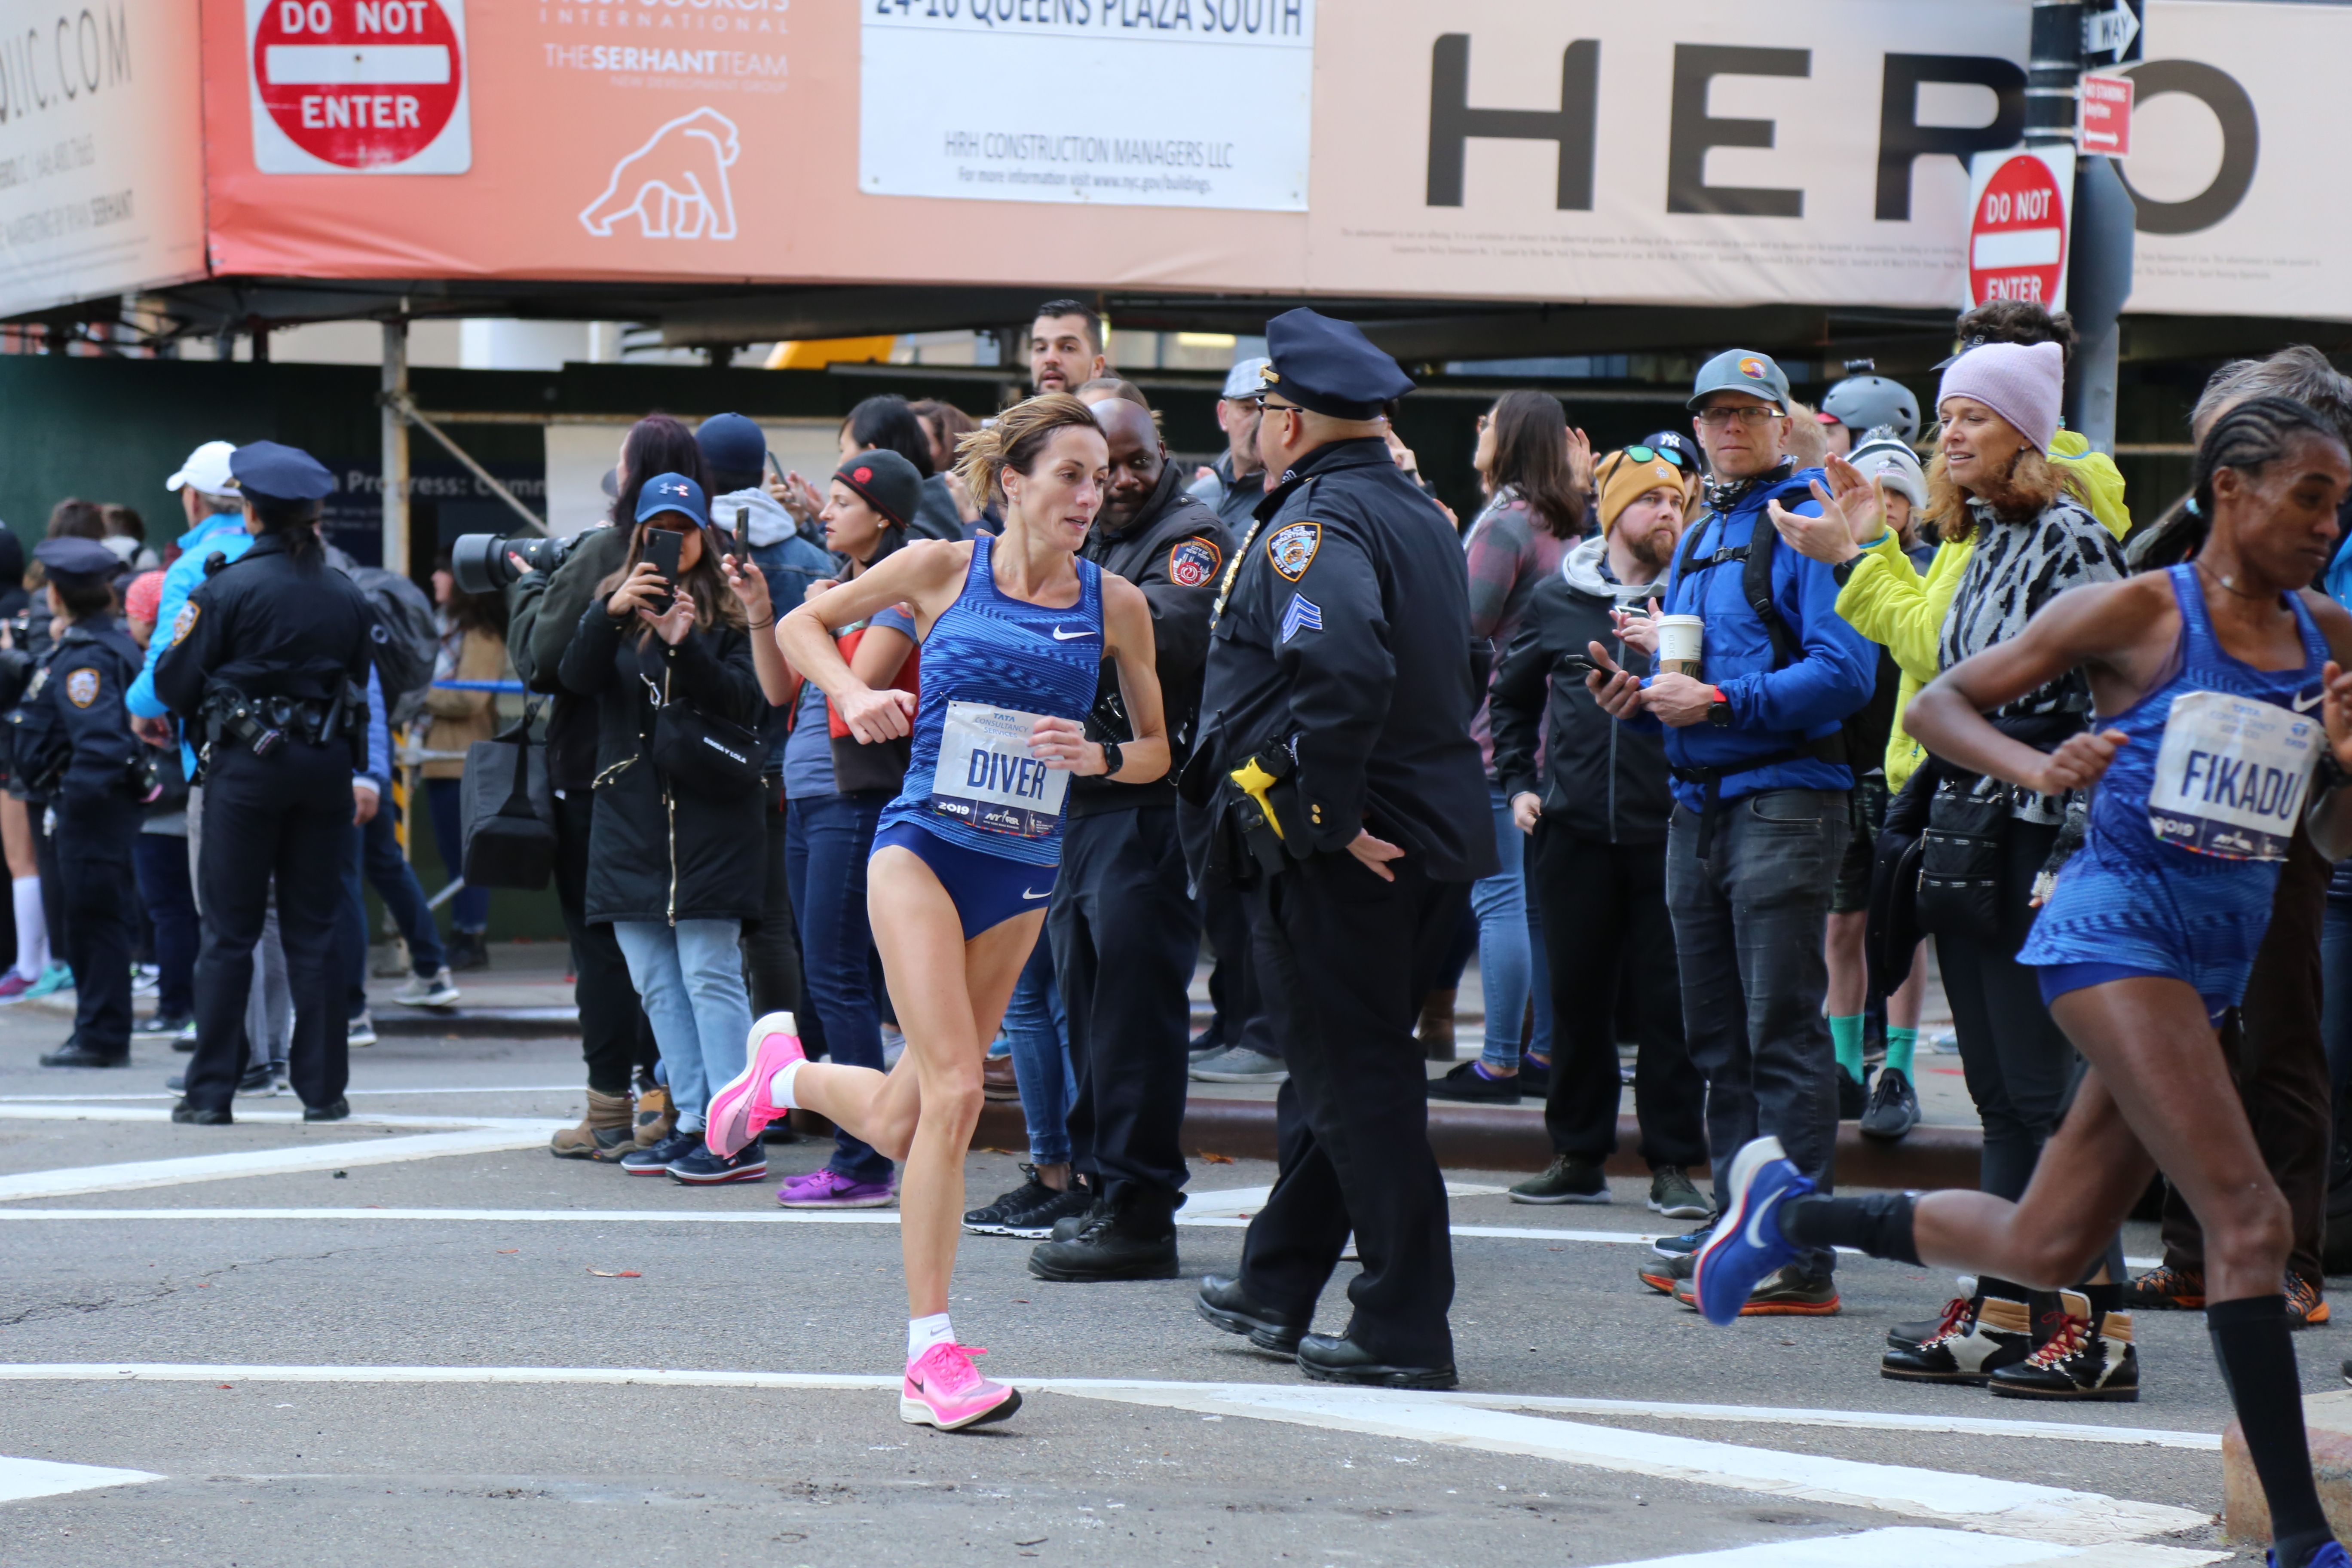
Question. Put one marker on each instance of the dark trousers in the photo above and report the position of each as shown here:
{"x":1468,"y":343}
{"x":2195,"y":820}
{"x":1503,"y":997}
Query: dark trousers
{"x":1606,"y":933}
{"x":289,"y":815}
{"x":771,"y":947}
{"x":94,"y":841}
{"x":53,"y":881}
{"x":1345,"y":957}
{"x":371,"y":851}
{"x":1750,"y":919}
{"x":1126,"y":935}
{"x":2278,"y":1058}
{"x":1241,"y":1016}
{"x":832,"y":836}
{"x":2019,"y":1064}
{"x":165,"y":887}
{"x":615,"y":1037}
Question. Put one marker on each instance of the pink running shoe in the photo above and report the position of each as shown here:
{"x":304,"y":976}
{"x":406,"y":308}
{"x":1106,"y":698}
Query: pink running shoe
{"x":826,"y":1188}
{"x":738,"y":1111}
{"x":943,"y":1390}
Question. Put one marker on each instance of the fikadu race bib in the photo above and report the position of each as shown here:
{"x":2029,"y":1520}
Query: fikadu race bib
{"x":2231,"y":776}
{"x":987,"y":777}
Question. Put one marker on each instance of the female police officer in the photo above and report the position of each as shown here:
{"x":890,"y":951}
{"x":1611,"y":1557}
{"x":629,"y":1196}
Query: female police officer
{"x":270,"y":664}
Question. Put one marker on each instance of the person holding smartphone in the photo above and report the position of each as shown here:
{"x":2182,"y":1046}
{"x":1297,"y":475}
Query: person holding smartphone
{"x":667,"y":868}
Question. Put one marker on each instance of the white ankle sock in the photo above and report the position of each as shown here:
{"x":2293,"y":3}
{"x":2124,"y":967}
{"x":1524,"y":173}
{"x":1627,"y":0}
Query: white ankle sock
{"x":922,"y":1333}
{"x":779,"y":1088}
{"x":32,"y":928}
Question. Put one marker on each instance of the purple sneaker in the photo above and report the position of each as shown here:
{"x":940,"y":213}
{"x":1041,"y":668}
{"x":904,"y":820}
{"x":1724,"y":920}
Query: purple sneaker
{"x":826,"y":1188}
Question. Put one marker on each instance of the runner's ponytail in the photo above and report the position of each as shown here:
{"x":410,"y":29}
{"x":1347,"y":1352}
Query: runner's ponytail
{"x":1015,"y":440}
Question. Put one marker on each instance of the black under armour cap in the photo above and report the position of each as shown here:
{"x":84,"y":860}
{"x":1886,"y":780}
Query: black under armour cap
{"x":1328,"y":366}
{"x":275,"y":472}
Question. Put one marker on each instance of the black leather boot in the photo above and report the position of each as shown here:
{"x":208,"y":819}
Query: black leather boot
{"x":1132,"y":1237}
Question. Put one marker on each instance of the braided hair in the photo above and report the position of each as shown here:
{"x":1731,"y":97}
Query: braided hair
{"x":2250,"y":437}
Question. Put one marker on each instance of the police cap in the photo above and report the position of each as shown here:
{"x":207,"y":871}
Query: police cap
{"x":1328,"y":366}
{"x":76,"y":558}
{"x":274,"y":472}
{"x":1741,"y":370}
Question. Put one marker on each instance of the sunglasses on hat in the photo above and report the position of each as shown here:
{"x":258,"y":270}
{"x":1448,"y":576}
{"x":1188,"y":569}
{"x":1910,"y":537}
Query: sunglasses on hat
{"x":1654,"y":454}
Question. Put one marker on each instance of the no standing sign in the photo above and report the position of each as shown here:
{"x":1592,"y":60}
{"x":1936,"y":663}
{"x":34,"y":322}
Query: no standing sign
{"x":359,"y":87}
{"x":2020,"y":203}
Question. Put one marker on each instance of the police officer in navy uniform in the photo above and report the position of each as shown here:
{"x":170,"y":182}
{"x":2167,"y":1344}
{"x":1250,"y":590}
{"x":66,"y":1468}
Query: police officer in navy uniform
{"x":270,"y":667}
{"x":74,"y":744}
{"x":1348,"y":799}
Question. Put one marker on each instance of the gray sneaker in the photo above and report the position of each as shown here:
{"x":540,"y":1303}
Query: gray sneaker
{"x":1241,"y":1065}
{"x":1672,"y":1194}
{"x":434,"y":990}
{"x":362,"y":1032}
{"x":1567,"y":1180}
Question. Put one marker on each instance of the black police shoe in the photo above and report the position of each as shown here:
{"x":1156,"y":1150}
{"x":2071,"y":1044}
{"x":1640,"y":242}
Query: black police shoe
{"x":201,"y":1115}
{"x":335,"y":1110}
{"x":1127,"y":1241}
{"x":1329,"y":1358}
{"x":1224,"y":1303}
{"x":74,"y":1054}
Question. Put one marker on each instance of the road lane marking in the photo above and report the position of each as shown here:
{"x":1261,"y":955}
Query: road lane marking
{"x":570,"y":1089}
{"x":1917,"y":1548}
{"x":268,"y":1162}
{"x":24,"y":1479}
{"x":1240,"y":1202}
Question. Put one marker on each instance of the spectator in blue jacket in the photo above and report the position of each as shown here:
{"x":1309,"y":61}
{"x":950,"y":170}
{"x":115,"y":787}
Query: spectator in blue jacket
{"x":1762,"y":795}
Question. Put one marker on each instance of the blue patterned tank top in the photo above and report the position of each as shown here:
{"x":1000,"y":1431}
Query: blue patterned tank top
{"x":2191,"y":820}
{"x":993,"y":666}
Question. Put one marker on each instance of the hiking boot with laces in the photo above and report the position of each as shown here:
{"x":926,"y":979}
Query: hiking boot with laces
{"x":1979,"y":1336}
{"x":603,"y":1134}
{"x":2088,"y":1355}
{"x":2305,"y":1307}
{"x":656,"y":1118}
{"x":1894,"y":1107}
{"x":2167,"y":1290}
{"x":943,"y":1389}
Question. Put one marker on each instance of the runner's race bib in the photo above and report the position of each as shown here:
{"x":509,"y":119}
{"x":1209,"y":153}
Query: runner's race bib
{"x":986,"y":776}
{"x":2231,"y":776}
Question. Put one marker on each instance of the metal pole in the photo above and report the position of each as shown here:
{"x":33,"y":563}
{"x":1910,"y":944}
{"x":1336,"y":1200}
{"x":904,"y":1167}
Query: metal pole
{"x":407,"y":411}
{"x":395,"y":447}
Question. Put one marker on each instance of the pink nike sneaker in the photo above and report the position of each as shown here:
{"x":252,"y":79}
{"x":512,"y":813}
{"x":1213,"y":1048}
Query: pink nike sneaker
{"x":943,"y":1390}
{"x":738,"y":1110}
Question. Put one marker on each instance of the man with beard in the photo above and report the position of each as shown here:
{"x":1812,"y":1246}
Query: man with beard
{"x":1065,"y":347}
{"x":1596,"y":818}
{"x":1124,"y":927}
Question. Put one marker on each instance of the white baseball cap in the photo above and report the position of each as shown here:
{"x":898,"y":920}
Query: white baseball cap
{"x":1245,"y":380}
{"x":206,"y":469}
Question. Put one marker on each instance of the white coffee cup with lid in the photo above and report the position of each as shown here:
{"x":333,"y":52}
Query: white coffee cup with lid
{"x":1679,"y":640}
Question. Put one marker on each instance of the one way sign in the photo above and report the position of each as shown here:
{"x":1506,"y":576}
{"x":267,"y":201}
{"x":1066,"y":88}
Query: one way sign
{"x":2111,"y":33}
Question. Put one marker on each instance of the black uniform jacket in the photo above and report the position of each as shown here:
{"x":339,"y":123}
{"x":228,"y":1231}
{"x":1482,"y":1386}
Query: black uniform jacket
{"x":74,"y":715}
{"x":1601,"y":780}
{"x":270,"y":625}
{"x":1175,"y":551}
{"x":656,"y":853}
{"x":1348,"y":632}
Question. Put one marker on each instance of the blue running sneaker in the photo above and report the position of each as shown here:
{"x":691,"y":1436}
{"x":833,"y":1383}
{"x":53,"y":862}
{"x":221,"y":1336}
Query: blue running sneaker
{"x":1746,"y":1244}
{"x":2331,"y":1555}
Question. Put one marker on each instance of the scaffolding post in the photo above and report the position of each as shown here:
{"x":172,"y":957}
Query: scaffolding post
{"x":396,"y":446}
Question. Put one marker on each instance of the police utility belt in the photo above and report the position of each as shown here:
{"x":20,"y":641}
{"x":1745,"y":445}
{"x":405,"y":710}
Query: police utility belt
{"x":264,"y":724}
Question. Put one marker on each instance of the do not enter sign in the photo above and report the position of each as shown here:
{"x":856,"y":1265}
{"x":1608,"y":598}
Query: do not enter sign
{"x":2017,"y":225}
{"x":359,"y":87}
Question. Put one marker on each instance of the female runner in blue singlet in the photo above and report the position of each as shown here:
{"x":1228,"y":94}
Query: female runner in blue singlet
{"x":2231,"y":723}
{"x":1014,"y":632}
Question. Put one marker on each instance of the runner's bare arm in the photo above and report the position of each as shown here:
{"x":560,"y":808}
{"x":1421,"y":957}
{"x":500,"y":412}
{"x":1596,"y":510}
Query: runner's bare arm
{"x":927,"y":576}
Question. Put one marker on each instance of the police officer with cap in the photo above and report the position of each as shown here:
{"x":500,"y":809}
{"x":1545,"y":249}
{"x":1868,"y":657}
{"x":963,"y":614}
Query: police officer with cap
{"x":74,"y":746}
{"x":1348,"y":799}
{"x":270,"y":663}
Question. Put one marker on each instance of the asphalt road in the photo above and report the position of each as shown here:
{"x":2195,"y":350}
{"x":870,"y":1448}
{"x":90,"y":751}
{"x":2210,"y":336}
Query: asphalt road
{"x":424,"y":1349}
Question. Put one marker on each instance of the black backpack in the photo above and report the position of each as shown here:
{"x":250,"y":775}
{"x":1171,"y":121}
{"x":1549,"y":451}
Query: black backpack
{"x":408,"y":639}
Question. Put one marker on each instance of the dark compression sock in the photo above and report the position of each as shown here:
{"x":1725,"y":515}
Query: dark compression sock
{"x":1879,"y":1224}
{"x":2252,"y":1340}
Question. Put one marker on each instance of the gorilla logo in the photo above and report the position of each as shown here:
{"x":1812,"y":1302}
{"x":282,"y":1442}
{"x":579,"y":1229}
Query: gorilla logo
{"x":676,"y":184}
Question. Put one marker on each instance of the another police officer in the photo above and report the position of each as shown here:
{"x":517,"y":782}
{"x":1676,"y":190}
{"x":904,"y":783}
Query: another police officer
{"x":75,"y":746}
{"x":270,"y":662}
{"x":1335,"y":752}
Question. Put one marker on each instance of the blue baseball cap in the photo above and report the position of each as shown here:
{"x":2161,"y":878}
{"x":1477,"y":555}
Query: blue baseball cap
{"x":1330,"y":366}
{"x":274,"y":472}
{"x":731,"y":443}
{"x":673,"y":492}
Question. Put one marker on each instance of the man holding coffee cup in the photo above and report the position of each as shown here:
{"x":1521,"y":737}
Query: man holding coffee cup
{"x":1755,"y":675}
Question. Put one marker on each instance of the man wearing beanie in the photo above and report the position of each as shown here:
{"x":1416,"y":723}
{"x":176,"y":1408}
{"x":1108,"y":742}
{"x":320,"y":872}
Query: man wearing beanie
{"x":1597,"y":819}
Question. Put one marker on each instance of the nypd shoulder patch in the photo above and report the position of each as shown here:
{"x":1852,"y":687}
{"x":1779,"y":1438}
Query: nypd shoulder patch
{"x":185,"y":621}
{"x":1291,"y":547}
{"x":81,"y":688}
{"x":1301,"y":615}
{"x":1194,"y":564}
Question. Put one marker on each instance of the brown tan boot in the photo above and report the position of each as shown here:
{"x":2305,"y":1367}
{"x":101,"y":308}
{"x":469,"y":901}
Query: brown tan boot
{"x":605,"y":1127}
{"x":1436,"y":1031}
{"x":656,"y":1117}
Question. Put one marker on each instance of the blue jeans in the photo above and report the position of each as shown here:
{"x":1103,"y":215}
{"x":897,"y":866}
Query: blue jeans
{"x":469,"y":907}
{"x":826,"y":840}
{"x":1040,"y":1058}
{"x":394,"y":881}
{"x":1500,"y":902}
{"x":690,"y":978}
{"x":160,"y":860}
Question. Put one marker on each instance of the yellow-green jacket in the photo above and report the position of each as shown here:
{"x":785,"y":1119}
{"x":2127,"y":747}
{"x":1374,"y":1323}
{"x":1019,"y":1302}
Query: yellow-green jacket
{"x":1886,"y":600}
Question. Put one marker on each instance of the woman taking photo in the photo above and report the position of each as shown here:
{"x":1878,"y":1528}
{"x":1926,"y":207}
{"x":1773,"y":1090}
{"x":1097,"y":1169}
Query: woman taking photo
{"x":2016,"y":533}
{"x":834,"y":790}
{"x":1015,"y":630}
{"x":667,"y":868}
{"x":1528,"y":461}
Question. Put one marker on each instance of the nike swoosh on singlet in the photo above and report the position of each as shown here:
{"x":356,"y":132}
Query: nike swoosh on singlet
{"x":1061,"y":636}
{"x":2303,"y":707}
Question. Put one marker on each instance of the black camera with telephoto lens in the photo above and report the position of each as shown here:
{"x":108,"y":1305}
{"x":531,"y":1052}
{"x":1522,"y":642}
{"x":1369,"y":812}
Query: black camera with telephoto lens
{"x":480,"y":561}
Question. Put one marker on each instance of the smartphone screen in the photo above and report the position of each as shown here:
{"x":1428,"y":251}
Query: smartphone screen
{"x":662,"y":548}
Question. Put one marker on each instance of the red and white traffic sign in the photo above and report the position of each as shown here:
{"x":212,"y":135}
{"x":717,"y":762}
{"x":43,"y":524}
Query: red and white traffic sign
{"x":359,"y":87}
{"x":2106,"y":127}
{"x":2018,"y":215}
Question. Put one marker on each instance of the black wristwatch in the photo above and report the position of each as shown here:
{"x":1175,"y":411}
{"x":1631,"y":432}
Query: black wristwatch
{"x":1845,"y":569}
{"x":1111,"y":762}
{"x":1719,"y":712}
